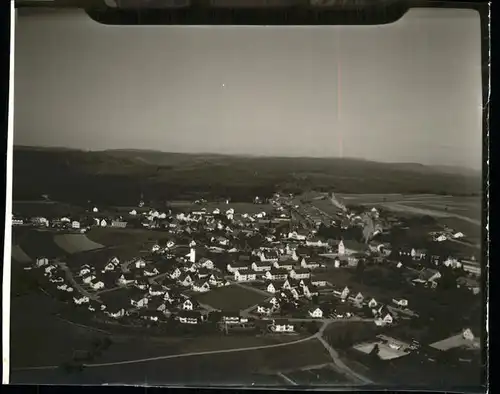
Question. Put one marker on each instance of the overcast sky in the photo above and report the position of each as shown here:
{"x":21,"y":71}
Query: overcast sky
{"x":406,"y":92}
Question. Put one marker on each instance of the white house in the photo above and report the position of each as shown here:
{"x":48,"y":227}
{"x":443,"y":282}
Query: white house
{"x":97,"y":285}
{"x":115,"y":312}
{"x":345,"y":293}
{"x":189,"y":317}
{"x":187,"y":305}
{"x":319,"y":282}
{"x":358,"y":299}
{"x":372,"y":303}
{"x":458,"y":235}
{"x":440,"y":238}
{"x":85,"y":270}
{"x":245,"y":276}
{"x":270,"y":288}
{"x":237,"y":266}
{"x":75,"y":224}
{"x":284,"y":264}
{"x":300,"y":274}
{"x":206,"y":263}
{"x":296,"y":236}
{"x":81,"y":300}
{"x":95,"y":210}
{"x":103,"y":223}
{"x":468,"y":335}
{"x":151,"y":271}
{"x":192,"y":255}
{"x":400,"y":302}
{"x":388,"y":319}
{"x":316,"y":313}
{"x":139,"y":263}
{"x":275,"y":274}
{"x":186,"y":280}
{"x":157,"y":290}
{"x":451,"y":262}
{"x":175,"y":273}
{"x":261,"y":266}
{"x":133,"y":212}
{"x":88,"y":279}
{"x":139,"y":301}
{"x":40,"y":262}
{"x":308,"y":264}
{"x":265,"y":309}
{"x":282,"y":325}
{"x":201,"y":286}
{"x":125,"y":280}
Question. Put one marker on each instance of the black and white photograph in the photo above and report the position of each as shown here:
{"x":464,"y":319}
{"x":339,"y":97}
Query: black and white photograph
{"x":254,"y":206}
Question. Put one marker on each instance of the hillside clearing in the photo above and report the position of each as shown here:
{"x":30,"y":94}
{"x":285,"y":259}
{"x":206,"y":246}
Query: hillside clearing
{"x":75,"y":243}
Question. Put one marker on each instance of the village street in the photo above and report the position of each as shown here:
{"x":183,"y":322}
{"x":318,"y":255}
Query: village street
{"x":75,"y":284}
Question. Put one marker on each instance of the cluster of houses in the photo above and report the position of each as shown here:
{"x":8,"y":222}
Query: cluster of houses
{"x":166,"y":281}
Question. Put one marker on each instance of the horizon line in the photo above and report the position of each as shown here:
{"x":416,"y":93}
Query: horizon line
{"x":249,"y":155}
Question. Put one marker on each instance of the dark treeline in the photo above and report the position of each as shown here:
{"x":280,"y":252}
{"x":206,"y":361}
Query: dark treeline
{"x":105,"y":177}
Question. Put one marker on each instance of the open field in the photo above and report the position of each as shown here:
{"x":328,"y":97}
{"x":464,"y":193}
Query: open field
{"x":75,"y":243}
{"x":18,"y":255}
{"x":40,"y":243}
{"x":223,"y":368}
{"x":230,"y":298}
{"x":121,"y":236}
{"x":317,"y":377}
{"x":465,"y":208}
{"x":100,"y":257}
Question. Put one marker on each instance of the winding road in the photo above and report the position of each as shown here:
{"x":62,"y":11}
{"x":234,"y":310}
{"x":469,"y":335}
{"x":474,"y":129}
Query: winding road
{"x":339,"y":364}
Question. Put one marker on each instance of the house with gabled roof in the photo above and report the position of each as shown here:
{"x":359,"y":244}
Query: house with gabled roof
{"x":185,"y":280}
{"x":282,"y":326}
{"x":300,"y":273}
{"x":141,"y":283}
{"x":372,"y":303}
{"x":187,"y":305}
{"x":157,"y":290}
{"x":206,"y":263}
{"x":139,"y":299}
{"x":309,"y":263}
{"x":238,"y":265}
{"x":151,"y":271}
{"x":111,"y":265}
{"x":270,"y":288}
{"x":316,"y":313}
{"x":265,"y":309}
{"x":189,"y":317}
{"x":358,"y":298}
{"x":201,"y":286}
{"x":284,"y":262}
{"x":260,"y":266}
{"x":276,"y":274}
{"x":125,"y":279}
{"x":245,"y":276}
{"x":175,"y":273}
{"x":268,"y":255}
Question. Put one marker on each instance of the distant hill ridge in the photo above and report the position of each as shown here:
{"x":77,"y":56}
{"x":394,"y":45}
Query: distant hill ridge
{"x":156,"y":157}
{"x":125,"y":174}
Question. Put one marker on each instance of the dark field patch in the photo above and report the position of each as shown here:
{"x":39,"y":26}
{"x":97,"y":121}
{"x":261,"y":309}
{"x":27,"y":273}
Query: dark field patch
{"x":231,"y":298}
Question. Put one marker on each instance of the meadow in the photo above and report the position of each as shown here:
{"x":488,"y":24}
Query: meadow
{"x":230,"y":298}
{"x":75,"y":243}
